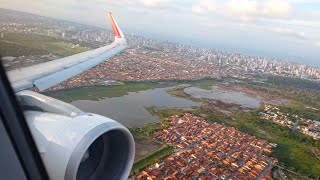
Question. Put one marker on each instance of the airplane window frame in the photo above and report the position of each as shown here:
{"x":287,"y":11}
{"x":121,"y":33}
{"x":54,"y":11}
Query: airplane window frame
{"x":22,"y":142}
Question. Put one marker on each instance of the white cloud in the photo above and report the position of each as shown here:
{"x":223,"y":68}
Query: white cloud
{"x":317,"y":44}
{"x":205,"y":6}
{"x":155,"y":3}
{"x":283,"y":17}
{"x":276,"y":8}
{"x":243,"y":10}
{"x":289,"y":32}
{"x":246,"y":10}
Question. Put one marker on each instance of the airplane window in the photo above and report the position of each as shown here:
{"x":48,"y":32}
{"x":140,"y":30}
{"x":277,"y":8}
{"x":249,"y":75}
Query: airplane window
{"x":12,"y":169}
{"x":73,"y":144}
{"x":20,"y":159}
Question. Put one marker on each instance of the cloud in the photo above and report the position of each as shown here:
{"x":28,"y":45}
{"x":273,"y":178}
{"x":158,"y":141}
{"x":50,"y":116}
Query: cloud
{"x":141,"y":4}
{"x":246,"y":10}
{"x":155,"y":3}
{"x":205,"y":6}
{"x":317,"y":44}
{"x":243,"y":10}
{"x":284,"y":17}
{"x":289,"y":32}
{"x":275,"y":8}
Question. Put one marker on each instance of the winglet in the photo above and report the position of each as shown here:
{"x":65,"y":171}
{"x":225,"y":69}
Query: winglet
{"x":116,"y":30}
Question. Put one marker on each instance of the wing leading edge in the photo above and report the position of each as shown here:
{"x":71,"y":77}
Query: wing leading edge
{"x":45,"y":75}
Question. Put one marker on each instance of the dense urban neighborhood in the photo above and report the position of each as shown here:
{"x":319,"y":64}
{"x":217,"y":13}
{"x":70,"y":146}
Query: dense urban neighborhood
{"x":146,"y":59}
{"x":210,"y":151}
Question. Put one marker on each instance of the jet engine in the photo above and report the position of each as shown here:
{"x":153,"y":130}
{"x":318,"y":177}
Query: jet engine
{"x":75,"y":145}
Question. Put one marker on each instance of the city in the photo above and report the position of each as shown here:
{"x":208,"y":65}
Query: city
{"x":210,"y":151}
{"x":210,"y":135}
{"x":167,"y":60}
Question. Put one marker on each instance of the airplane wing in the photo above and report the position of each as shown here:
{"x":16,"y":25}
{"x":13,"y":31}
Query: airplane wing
{"x":45,"y":75}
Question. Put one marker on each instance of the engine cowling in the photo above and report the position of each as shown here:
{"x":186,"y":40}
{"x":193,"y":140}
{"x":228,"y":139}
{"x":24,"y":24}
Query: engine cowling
{"x":82,"y":146}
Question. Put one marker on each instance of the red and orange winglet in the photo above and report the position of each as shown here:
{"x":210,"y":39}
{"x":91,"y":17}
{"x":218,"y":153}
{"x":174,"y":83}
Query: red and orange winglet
{"x":114,"y":25}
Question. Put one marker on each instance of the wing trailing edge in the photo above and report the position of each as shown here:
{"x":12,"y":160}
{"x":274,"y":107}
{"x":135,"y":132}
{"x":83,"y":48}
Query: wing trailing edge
{"x":45,"y":75}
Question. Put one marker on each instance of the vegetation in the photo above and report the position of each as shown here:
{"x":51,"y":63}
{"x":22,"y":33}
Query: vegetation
{"x":151,"y":159}
{"x":147,"y":130}
{"x":294,"y":176}
{"x":302,"y":112}
{"x":221,"y":119}
{"x":16,"y":44}
{"x":297,"y":151}
{"x":204,"y":83}
{"x":179,"y":92}
{"x":137,"y":135}
{"x":166,"y":113}
{"x":294,"y":83}
{"x":142,"y":134}
{"x":304,"y":92}
{"x":294,"y":149}
{"x":99,"y":92}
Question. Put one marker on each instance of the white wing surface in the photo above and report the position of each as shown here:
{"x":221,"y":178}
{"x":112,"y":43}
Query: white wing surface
{"x":48,"y":74}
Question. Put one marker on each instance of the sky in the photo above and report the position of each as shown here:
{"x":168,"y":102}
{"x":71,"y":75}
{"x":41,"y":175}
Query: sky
{"x":285,"y":29}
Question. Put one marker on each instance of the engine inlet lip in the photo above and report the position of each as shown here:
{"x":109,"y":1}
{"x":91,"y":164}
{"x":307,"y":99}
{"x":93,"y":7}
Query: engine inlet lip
{"x":86,"y":142}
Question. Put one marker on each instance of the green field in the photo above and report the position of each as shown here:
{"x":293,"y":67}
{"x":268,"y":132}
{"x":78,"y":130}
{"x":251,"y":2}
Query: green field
{"x":151,"y":159}
{"x":300,"y":91}
{"x":145,"y":133}
{"x":15,"y":44}
{"x":99,"y":92}
{"x":294,"y":149}
{"x":179,"y":92}
{"x":166,"y":113}
{"x":204,"y":83}
{"x":294,"y":83}
{"x":146,"y":130}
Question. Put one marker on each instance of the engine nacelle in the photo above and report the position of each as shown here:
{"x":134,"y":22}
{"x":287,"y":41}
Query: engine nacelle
{"x":80,"y":146}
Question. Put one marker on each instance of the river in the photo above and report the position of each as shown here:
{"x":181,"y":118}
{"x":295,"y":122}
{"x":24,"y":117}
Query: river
{"x":233,"y":97}
{"x":130,"y":109}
